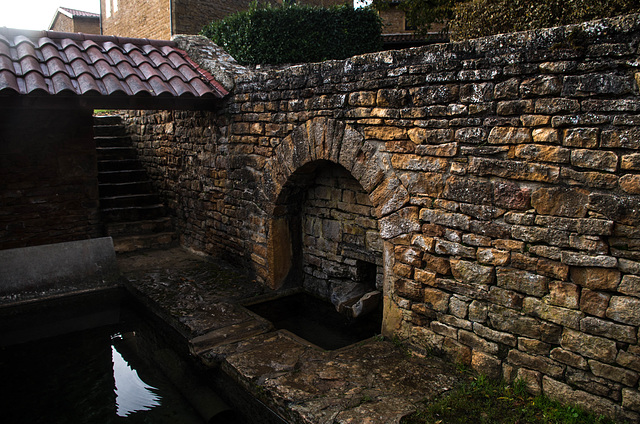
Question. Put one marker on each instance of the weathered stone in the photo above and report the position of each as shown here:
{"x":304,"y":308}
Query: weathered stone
{"x":437,"y":264}
{"x":487,"y":364}
{"x":511,"y":195}
{"x":421,"y":136}
{"x":514,"y":169}
{"x":594,"y":84}
{"x":622,"y":209}
{"x":589,"y":178}
{"x":560,"y":201}
{"x":436,"y":299}
{"x":533,"y":346}
{"x":515,"y":107}
{"x":545,"y":365}
{"x":452,"y":220}
{"x":556,"y":105}
{"x":543,"y":85}
{"x":477,"y":311}
{"x":522,"y":281}
{"x":580,"y":260}
{"x":586,"y":138}
{"x":468,"y":190}
{"x":510,"y":245}
{"x":604,"y":328}
{"x":409,"y":289}
{"x":419,"y":163}
{"x":630,"y":285}
{"x":631,"y":399}
{"x":444,"y":247}
{"x":542,"y":153}
{"x":569,"y":358}
{"x":506,"y":298}
{"x":477,"y":343}
{"x":409,"y":255}
{"x":630,"y":183}
{"x":596,"y":278}
{"x":563,"y":294}
{"x":630,"y":162}
{"x":471,"y":135}
{"x":564,"y":393}
{"x":546,"y":252}
{"x":423,"y":183}
{"x":442,"y":150}
{"x":627,"y":266}
{"x":458,"y":307}
{"x":579,"y":225}
{"x":624,"y":309}
{"x":593,"y":347}
{"x":532,"y":380}
{"x":510,"y":321}
{"x":593,"y":159}
{"x":591,"y":244}
{"x":626,"y":139}
{"x":589,"y":382}
{"x":404,"y":221}
{"x":629,"y":359}
{"x":568,"y":318}
{"x":476,"y":92}
{"x":509,"y":135}
{"x":594,"y":303}
{"x":389,"y":196}
{"x":471,"y":272}
{"x":620,"y":375}
{"x":544,"y":135}
{"x":493,"y":256}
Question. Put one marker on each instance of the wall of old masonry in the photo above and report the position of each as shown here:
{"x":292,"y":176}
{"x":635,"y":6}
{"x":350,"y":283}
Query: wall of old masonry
{"x":504,"y":176}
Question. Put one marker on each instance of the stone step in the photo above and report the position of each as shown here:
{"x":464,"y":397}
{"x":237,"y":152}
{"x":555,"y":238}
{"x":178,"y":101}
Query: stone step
{"x":147,"y":241}
{"x":129,"y":200}
{"x":135,"y":213}
{"x":129,"y":175}
{"x":117,"y":153}
{"x":119,"y":165}
{"x":150,"y":226}
{"x":109,"y":130}
{"x":113,"y":141}
{"x":107,"y":120}
{"x":124,"y":188}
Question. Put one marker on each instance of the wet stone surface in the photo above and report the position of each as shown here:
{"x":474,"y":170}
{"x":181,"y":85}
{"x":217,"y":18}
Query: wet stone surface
{"x":373,"y":381}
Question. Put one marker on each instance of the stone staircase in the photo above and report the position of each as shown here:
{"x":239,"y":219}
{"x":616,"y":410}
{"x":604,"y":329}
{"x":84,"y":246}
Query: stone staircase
{"x":132,"y":213}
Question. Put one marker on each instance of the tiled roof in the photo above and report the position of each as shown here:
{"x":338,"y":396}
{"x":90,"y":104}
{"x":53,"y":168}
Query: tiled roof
{"x":78,"y":13}
{"x":101,"y":70}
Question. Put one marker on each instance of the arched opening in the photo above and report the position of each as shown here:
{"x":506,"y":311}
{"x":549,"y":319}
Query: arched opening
{"x":326,"y":237}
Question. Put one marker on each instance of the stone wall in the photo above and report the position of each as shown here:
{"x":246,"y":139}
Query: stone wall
{"x":48,"y":177}
{"x":504,"y":174}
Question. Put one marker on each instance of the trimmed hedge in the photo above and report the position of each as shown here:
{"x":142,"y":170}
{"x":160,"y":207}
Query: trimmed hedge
{"x":479,"y":18}
{"x":267,"y":34}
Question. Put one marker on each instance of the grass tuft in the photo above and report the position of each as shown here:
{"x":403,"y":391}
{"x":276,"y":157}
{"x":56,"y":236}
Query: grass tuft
{"x":485,"y":401}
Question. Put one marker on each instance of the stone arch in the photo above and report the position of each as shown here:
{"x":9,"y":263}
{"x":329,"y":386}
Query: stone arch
{"x":314,"y":142}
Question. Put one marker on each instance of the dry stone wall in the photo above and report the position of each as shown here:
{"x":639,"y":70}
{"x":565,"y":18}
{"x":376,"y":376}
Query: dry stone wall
{"x":504,"y":174}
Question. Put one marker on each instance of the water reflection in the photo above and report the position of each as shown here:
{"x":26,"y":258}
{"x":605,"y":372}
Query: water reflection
{"x":132,"y":394}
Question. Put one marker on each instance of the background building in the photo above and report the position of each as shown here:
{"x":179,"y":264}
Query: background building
{"x":72,"y":20}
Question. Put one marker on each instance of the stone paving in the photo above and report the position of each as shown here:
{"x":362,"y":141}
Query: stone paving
{"x":374,"y":381}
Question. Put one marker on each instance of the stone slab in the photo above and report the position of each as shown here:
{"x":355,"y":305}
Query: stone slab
{"x":37,"y":267}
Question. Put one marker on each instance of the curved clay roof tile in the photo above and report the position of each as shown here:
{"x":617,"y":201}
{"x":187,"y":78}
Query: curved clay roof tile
{"x":34,"y":82}
{"x":62,"y":84}
{"x":137,"y":86}
{"x":87,"y":85}
{"x":114,"y":86}
{"x":160,"y":88}
{"x":8,"y":82}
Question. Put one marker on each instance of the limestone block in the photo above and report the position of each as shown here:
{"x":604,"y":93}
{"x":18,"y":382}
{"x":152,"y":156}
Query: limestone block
{"x":624,"y":309}
{"x":585,"y":138}
{"x":600,"y":327}
{"x":619,"y":138}
{"x":458,"y":307}
{"x":471,"y":272}
{"x":514,"y":169}
{"x":515,"y":107}
{"x":630,"y":162}
{"x":589,"y":178}
{"x":546,"y":366}
{"x":593,"y":347}
{"x":404,"y":221}
{"x":555,"y":106}
{"x":493,"y":257}
{"x":631,"y":399}
{"x":569,"y":358}
{"x":506,"y":298}
{"x":477,"y":343}
{"x":594,"y":159}
{"x":509,"y":135}
{"x":409,"y":289}
{"x":543,"y":85}
{"x":522,"y":281}
{"x":436,"y":299}
{"x":630,"y":183}
{"x":594,"y":302}
{"x":560,"y":201}
{"x":568,"y":318}
{"x":472,"y":135}
{"x":437,"y":264}
{"x":563,"y":294}
{"x":533,"y":346}
{"x":629,"y":359}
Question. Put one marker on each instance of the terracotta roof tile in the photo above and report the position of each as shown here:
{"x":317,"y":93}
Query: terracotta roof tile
{"x":66,"y":64}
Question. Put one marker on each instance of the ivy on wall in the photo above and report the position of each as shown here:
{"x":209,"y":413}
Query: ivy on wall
{"x":290,"y":33}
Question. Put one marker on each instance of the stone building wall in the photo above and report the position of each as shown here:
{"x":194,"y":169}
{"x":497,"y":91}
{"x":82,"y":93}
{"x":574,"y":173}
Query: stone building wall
{"x":136,"y":18}
{"x":48,"y":177}
{"x":504,"y":174}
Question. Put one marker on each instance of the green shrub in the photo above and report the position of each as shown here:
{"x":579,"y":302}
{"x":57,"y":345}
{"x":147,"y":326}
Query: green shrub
{"x":479,"y":18}
{"x":267,"y":34}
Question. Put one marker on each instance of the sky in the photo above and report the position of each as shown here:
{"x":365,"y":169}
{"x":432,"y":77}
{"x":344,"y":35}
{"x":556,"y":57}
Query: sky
{"x":38,"y":14}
